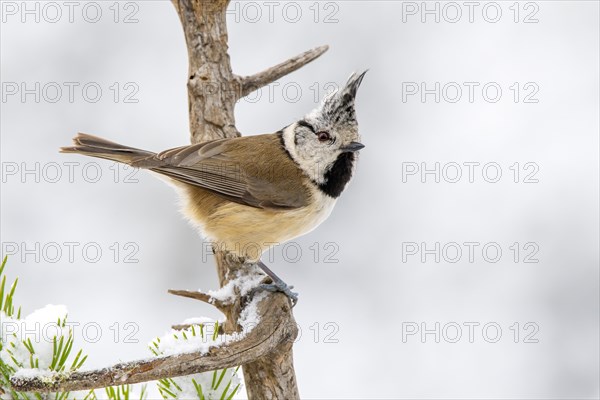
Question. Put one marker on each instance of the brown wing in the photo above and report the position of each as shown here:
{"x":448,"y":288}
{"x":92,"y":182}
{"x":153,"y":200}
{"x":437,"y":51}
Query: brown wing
{"x":252,"y":170}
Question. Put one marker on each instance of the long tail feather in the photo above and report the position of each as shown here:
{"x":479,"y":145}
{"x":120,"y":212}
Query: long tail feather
{"x":94,"y":146}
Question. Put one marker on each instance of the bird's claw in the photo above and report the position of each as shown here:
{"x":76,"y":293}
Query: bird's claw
{"x":281,"y":287}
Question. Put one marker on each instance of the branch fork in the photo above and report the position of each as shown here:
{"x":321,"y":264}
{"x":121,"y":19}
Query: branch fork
{"x":265,"y":352}
{"x":275,"y":329}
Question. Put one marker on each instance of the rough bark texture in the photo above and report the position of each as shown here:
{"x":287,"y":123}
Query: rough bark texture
{"x":213,"y":90}
{"x":275,"y":331}
{"x":266,"y":351}
{"x":212,"y":87}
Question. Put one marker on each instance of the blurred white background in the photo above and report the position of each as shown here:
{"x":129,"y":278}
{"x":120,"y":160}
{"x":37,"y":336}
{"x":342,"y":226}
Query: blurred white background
{"x":356,"y":312}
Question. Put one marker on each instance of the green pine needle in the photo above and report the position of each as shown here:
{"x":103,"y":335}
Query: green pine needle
{"x":61,"y":348}
{"x":225,"y":390}
{"x":3,"y":264}
{"x":2,"y":284}
{"x":171,"y":394}
{"x":216,"y":332}
{"x":234,"y":391}
{"x":223,"y":372}
{"x":214,"y":379}
{"x":198,"y":389}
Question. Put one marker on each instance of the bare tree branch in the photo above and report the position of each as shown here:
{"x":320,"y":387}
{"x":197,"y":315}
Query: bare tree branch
{"x":194,"y":295}
{"x":256,"y":81}
{"x":276,"y":331}
{"x":266,"y":351}
{"x":213,"y":90}
{"x":181,"y":327}
{"x":221,"y":306}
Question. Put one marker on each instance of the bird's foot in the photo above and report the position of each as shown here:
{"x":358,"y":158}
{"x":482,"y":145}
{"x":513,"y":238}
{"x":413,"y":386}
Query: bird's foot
{"x":280,"y":286}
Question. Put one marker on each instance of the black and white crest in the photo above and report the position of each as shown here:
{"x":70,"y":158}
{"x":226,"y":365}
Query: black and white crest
{"x":338,"y":106}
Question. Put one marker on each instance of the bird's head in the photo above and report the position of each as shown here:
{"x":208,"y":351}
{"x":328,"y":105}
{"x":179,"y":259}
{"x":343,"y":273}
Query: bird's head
{"x":328,"y":135}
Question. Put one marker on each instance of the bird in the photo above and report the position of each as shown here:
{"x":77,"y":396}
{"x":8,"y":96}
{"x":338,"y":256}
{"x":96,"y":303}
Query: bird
{"x":247,"y":194}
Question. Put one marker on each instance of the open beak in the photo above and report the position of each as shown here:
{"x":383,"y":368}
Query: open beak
{"x":352,"y":147}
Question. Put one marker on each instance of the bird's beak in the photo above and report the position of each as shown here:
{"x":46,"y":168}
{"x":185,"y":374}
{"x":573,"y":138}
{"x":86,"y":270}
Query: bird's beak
{"x":352,"y":147}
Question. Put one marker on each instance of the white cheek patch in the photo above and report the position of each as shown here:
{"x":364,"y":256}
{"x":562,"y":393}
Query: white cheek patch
{"x":308,"y":161}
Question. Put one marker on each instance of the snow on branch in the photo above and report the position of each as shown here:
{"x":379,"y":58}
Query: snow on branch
{"x":265,"y":352}
{"x":275,"y":329}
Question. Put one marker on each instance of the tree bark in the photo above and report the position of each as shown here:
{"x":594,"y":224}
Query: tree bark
{"x":266,"y":351}
{"x":213,"y":90}
{"x":273,"y":333}
{"x":212,"y":87}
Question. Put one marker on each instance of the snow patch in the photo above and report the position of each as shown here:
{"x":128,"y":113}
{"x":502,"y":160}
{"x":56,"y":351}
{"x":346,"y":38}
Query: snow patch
{"x":243,"y":282}
{"x":29,"y":373}
{"x":39,"y":327}
{"x":249,"y":316}
{"x":191,"y":340}
{"x":198,"y":321}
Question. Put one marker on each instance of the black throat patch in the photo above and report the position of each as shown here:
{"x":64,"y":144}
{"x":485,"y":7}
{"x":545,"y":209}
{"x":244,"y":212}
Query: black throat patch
{"x":338,"y":176}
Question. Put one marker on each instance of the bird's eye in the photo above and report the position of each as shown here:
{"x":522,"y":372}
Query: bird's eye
{"x":323,"y":136}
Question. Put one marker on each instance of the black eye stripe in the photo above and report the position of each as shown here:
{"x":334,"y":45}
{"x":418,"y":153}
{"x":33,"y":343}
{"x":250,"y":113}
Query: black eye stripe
{"x":306,"y":125}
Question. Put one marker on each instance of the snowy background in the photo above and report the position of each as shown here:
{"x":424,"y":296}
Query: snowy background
{"x":394,"y":283}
